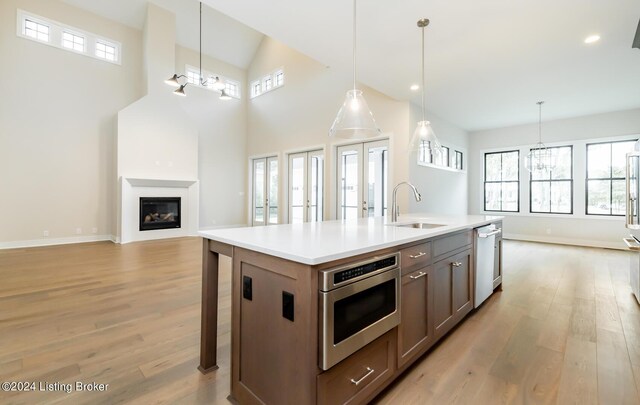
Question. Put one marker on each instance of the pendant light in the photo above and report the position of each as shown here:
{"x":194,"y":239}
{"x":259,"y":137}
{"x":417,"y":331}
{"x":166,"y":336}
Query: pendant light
{"x":354,"y":119}
{"x":540,"y":158}
{"x":215,"y":84}
{"x":423,"y":137}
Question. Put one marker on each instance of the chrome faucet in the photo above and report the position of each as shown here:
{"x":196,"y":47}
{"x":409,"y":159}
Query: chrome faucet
{"x":394,"y":205}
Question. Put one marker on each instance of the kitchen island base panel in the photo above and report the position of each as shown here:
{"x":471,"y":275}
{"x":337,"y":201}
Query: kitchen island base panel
{"x":274,"y":359}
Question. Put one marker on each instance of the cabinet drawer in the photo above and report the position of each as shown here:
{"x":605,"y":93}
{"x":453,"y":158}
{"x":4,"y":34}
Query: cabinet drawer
{"x":415,"y":257}
{"x":358,"y":376}
{"x":450,"y":243}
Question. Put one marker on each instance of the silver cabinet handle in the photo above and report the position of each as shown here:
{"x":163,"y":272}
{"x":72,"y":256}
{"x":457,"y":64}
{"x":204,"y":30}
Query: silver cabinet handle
{"x":421,"y":274}
{"x":486,"y":235}
{"x":417,"y":256}
{"x":457,"y":264}
{"x":369,"y":372}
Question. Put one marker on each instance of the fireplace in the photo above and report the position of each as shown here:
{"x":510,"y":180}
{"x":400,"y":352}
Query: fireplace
{"x":159,"y":213}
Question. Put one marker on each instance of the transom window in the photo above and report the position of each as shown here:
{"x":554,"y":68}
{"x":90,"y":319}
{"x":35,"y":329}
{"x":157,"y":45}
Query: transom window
{"x":46,"y":31}
{"x":73,"y":41}
{"x":458,"y":160}
{"x":552,"y":191}
{"x":193,"y":77}
{"x":502,"y":181}
{"x":36,"y":30}
{"x":605,"y":186}
{"x":232,"y":89}
{"x":267,"y":83}
{"x":105,"y":51}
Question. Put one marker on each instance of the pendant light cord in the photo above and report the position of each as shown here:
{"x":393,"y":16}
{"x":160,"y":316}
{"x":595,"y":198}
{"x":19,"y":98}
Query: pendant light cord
{"x":202,"y":81}
{"x":354,"y":44}
{"x":540,"y":121}
{"x":423,"y":113}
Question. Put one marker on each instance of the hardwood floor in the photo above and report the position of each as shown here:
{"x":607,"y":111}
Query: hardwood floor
{"x":566,"y":329}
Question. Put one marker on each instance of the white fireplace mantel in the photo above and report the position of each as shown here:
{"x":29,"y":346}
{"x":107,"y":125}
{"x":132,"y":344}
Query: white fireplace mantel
{"x":131,"y":189}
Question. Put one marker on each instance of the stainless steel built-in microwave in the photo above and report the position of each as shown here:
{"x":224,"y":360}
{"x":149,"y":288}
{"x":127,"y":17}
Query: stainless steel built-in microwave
{"x":358,"y":303}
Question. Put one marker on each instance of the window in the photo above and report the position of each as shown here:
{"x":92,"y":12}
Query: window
{"x":105,"y":51}
{"x":458,"y":160}
{"x":232,"y":89}
{"x":279,"y":78}
{"x":256,"y":89}
{"x":606,"y":188}
{"x":442,"y":157}
{"x":193,"y":77}
{"x":424,"y":154}
{"x":265,"y":191}
{"x":72,"y":41}
{"x":502,"y":181}
{"x":62,"y":36}
{"x":267,"y":83}
{"x":552,"y":191}
{"x":36,"y":30}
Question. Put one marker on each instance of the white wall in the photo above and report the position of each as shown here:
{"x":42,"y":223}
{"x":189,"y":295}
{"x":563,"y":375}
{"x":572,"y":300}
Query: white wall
{"x":58,"y":125}
{"x":577,"y":228}
{"x":443,"y":191}
{"x":298,"y":116}
{"x":222,"y":140}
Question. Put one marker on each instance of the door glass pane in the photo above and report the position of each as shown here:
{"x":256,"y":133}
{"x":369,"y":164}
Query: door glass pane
{"x":316,"y":185}
{"x":258,"y":191}
{"x":598,"y":196}
{"x":349,"y":203}
{"x":376,"y":182}
{"x":297,"y":190}
{"x":273,"y":190}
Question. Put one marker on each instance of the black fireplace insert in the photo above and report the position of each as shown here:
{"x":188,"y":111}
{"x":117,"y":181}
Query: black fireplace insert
{"x":159,"y":213}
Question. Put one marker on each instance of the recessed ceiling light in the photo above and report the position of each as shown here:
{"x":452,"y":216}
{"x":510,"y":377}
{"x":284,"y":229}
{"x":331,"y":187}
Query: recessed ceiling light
{"x":414,"y":87}
{"x":591,"y":39}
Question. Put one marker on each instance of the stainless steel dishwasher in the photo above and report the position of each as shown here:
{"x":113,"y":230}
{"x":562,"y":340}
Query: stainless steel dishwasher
{"x":484,"y":241}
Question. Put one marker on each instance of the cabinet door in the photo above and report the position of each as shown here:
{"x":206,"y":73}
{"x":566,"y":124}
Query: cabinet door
{"x":442,"y":297}
{"x":415,"y":332}
{"x":462,"y":277}
{"x":497,"y":265}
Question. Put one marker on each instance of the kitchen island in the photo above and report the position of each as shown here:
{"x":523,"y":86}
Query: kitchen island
{"x":332,"y":312}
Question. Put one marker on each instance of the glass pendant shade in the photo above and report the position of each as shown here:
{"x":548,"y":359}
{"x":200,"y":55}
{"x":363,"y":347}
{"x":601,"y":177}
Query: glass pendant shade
{"x":540,"y":159}
{"x":354,"y":119}
{"x":424,"y":138}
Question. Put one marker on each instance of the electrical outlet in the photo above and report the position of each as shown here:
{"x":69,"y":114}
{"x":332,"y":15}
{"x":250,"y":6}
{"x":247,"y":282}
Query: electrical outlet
{"x":45,"y":234}
{"x":548,"y":231}
{"x":78,"y":231}
{"x":213,"y":221}
{"x":94,"y":230}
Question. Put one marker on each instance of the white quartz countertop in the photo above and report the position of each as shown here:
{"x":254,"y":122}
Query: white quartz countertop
{"x":320,"y":242}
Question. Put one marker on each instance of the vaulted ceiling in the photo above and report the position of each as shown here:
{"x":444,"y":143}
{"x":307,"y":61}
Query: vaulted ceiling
{"x":487,"y":62}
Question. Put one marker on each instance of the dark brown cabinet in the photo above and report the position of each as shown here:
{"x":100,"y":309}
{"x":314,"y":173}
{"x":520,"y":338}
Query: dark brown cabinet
{"x":453,"y":290}
{"x":415,"y":332}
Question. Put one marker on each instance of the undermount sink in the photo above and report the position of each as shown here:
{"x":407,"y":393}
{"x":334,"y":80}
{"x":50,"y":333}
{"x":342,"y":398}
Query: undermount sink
{"x":419,"y":225}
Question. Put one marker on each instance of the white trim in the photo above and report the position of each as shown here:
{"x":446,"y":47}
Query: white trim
{"x":566,"y":241}
{"x":55,"y":241}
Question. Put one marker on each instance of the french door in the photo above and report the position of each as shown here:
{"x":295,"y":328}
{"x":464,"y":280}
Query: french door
{"x":265,"y":191}
{"x":362,"y":179}
{"x":306,"y":186}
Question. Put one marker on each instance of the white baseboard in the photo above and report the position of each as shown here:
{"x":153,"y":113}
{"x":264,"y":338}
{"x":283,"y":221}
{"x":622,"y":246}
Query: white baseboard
{"x":566,"y":241}
{"x":211,"y":228}
{"x":55,"y":241}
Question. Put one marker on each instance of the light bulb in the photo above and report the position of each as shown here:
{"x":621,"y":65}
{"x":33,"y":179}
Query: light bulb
{"x":355,"y":104}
